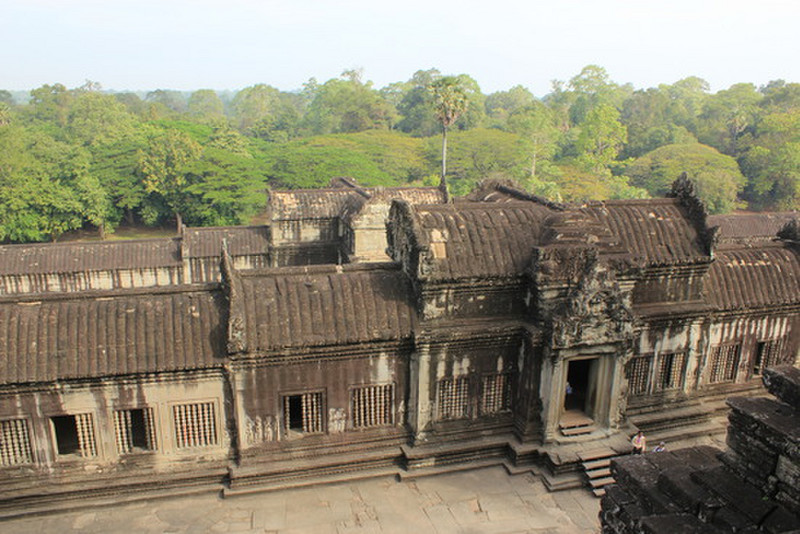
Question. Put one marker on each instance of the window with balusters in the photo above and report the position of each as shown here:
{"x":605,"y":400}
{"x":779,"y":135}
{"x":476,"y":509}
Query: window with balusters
{"x":75,"y":435}
{"x":453,"y":398}
{"x":724,"y":363}
{"x":135,"y":430}
{"x":303,"y":412}
{"x":767,"y":354}
{"x":638,"y":371}
{"x":496,"y":393}
{"x":195,"y":425}
{"x":372,"y":405}
{"x":15,"y":443}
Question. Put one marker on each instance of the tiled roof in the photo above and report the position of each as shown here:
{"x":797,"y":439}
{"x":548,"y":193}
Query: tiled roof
{"x":751,"y":226}
{"x":412,"y":195}
{"x":117,"y":334}
{"x":242,"y":241}
{"x":90,"y":256}
{"x":753,"y":277}
{"x":655,"y":232}
{"x":342,"y":200}
{"x":481,"y":239}
{"x":301,"y":204}
{"x":325,"y":307}
{"x":492,"y":190}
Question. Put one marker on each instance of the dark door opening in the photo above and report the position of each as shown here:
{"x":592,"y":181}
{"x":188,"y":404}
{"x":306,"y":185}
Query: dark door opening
{"x":66,"y":434}
{"x":294,"y":404}
{"x":577,"y":389}
{"x":138,"y":430}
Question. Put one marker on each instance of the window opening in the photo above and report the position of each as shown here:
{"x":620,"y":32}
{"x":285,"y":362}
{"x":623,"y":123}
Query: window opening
{"x":670,"y":371}
{"x":768,"y":353}
{"x":135,"y":430}
{"x":75,"y":435}
{"x":303,"y":413}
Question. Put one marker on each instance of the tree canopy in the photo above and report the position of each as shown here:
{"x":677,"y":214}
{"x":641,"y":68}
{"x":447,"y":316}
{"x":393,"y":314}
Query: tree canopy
{"x":87,"y":158}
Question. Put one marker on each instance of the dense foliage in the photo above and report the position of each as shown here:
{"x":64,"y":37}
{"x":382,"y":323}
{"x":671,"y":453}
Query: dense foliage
{"x":82,"y":157}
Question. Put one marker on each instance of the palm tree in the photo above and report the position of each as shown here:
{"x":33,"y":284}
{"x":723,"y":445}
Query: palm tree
{"x":450,"y":102}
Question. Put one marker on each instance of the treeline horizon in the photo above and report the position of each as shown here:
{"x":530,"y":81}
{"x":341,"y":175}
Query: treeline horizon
{"x":88,"y":158}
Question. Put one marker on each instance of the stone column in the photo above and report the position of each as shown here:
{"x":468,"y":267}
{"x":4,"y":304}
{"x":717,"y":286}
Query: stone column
{"x":420,"y":404}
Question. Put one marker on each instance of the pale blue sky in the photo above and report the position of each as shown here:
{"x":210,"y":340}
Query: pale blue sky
{"x":193,"y":44}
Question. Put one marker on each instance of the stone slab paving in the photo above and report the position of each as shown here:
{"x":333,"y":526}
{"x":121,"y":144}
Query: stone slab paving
{"x":485,"y":501}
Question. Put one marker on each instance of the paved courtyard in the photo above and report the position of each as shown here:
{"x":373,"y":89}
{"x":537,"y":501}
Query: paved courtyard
{"x":472,"y":502}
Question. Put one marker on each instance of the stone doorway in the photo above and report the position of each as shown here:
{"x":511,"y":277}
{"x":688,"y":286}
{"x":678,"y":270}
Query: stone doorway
{"x":580,"y":375}
{"x":577,"y":416}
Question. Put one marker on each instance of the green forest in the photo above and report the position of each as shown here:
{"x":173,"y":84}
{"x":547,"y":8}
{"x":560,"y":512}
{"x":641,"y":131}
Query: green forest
{"x":94,"y":159}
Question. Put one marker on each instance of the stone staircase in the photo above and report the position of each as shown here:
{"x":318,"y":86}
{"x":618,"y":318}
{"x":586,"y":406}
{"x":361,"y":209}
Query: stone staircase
{"x":596,"y":466}
{"x":575,"y":423}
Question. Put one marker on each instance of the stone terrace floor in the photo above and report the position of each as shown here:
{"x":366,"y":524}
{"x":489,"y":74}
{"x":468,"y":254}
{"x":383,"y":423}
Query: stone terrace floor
{"x":484,"y":501}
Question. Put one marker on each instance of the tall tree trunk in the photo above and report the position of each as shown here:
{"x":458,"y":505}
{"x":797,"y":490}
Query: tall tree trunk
{"x":101,"y":231}
{"x":179,"y":222}
{"x":443,"y":180}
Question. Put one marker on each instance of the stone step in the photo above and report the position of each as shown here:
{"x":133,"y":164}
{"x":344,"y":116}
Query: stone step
{"x":266,"y":485}
{"x":672,"y":418}
{"x":597,"y":454}
{"x":672,"y":436}
{"x":563,"y":481}
{"x":572,"y":419}
{"x":599,"y":473}
{"x":596,"y":464}
{"x":600,"y":482}
{"x":578,"y":431}
{"x":598,"y":492}
{"x":450,"y":468}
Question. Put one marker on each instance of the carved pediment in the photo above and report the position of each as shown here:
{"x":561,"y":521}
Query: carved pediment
{"x":594,"y":309}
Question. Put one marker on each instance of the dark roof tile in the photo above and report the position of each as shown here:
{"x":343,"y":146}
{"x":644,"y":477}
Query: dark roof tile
{"x":743,"y":278}
{"x":242,"y":241}
{"x":119,"y":334}
{"x":88,"y":256}
{"x":316,"y":308}
{"x":656,"y":231}
{"x":480,"y":240}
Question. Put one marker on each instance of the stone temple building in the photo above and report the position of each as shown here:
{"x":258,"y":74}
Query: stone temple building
{"x":369,"y":331}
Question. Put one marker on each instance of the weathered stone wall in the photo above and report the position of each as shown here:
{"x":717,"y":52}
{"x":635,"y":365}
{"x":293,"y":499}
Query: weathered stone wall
{"x":207,"y":270}
{"x":305,"y":231}
{"x":669,"y":284}
{"x":471,"y":358}
{"x":478,"y":298}
{"x":305,"y":254}
{"x":697,"y":338}
{"x":101,"y":399}
{"x":75,"y":282}
{"x":366,"y":234}
{"x":262,"y":386}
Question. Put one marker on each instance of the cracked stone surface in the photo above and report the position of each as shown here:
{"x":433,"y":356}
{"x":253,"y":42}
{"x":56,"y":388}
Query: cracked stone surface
{"x":485,"y":501}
